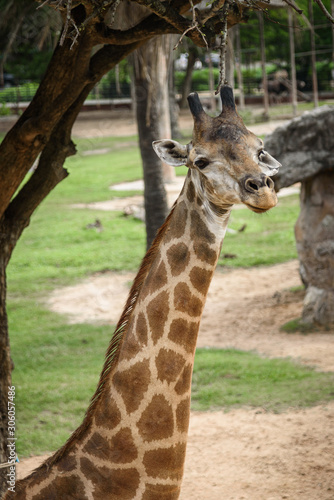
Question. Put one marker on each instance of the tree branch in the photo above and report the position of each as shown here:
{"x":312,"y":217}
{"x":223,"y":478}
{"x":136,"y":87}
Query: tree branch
{"x":325,"y":11}
{"x":48,"y":174}
{"x":212,"y":11}
{"x":166,"y":12}
{"x":146,"y":29}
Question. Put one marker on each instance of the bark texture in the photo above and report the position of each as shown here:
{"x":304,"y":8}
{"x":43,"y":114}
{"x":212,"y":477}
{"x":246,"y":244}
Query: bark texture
{"x":314,"y":233}
{"x":148,"y":110}
{"x":305,"y":147}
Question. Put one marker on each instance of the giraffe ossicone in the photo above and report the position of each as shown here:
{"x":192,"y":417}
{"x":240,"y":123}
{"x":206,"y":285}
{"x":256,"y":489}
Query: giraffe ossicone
{"x":132,"y":442}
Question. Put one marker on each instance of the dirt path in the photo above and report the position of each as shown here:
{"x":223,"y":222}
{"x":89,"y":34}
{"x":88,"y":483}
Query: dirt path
{"x":245,"y":454}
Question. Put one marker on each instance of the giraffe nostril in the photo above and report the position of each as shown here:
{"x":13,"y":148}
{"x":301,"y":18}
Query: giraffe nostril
{"x":251,"y":185}
{"x":269,"y":183}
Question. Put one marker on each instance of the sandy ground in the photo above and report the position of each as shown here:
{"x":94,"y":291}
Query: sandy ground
{"x":247,"y":453}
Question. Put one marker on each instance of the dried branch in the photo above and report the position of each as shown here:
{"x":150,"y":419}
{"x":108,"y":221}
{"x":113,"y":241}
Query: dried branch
{"x":194,"y":26}
{"x":293,"y":5}
{"x":68,"y":21}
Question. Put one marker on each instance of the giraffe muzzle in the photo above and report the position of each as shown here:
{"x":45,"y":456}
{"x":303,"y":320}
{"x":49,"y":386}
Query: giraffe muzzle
{"x":260,"y":194}
{"x":254,"y":185}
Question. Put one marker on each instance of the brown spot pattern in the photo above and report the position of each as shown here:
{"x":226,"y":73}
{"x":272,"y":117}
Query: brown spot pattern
{"x":199,"y":201}
{"x":155,"y":278}
{"x":169,"y":365}
{"x":185,"y":301}
{"x":131,"y":347}
{"x":157,"y":313}
{"x":198,"y":229}
{"x":123,"y":448}
{"x":183,"y":415}
{"x":67,"y":463}
{"x":141,"y":328}
{"x":107,"y":413}
{"x":69,"y":486}
{"x":97,"y":446}
{"x":165,"y":462}
{"x":184,"y":382}
{"x":161,"y":491}
{"x":200,"y":279}
{"x":177,"y":222}
{"x":191,"y":192}
{"x":157,"y":420}
{"x":132,"y":384}
{"x":114,"y":483}
{"x":184,"y":333}
{"x":204,"y":253}
{"x":132,"y":343}
{"x":178,"y":258}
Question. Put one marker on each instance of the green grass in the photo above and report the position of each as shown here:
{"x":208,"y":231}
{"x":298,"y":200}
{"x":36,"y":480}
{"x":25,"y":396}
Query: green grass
{"x":90,"y":176}
{"x":56,"y":371}
{"x":267,"y":239}
{"x":230,"y":378}
{"x":276,"y":112}
{"x":58,"y":249}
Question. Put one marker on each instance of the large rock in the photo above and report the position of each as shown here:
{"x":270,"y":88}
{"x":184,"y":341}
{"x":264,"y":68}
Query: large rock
{"x":314,"y":233}
{"x":305,"y":147}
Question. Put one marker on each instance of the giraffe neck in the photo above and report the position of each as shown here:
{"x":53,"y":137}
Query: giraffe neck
{"x":133,"y":441}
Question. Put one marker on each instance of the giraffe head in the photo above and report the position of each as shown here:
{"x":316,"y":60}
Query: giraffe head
{"x":227,"y":162}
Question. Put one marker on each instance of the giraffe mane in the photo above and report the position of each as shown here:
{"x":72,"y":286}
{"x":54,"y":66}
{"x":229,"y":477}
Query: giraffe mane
{"x":115,"y":344}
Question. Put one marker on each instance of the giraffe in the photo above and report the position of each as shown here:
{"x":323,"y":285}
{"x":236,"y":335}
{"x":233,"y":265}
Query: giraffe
{"x":132,"y":442}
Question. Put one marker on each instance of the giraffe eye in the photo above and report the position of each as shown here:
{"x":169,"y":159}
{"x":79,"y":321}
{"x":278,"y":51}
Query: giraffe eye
{"x":201,"y":163}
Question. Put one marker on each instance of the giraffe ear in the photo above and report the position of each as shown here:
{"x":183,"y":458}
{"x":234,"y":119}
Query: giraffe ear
{"x":171,"y":152}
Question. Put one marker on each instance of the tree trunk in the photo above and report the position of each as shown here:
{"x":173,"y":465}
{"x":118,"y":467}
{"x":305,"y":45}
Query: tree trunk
{"x":147,"y":111}
{"x":292,"y":62}
{"x":160,"y":79}
{"x":313,"y":56}
{"x":229,"y":63}
{"x":173,"y":106}
{"x":5,"y":375}
{"x":264,"y":69}
{"x":238,"y":67}
{"x":186,"y":89}
{"x":314,"y":236}
{"x":149,"y":99}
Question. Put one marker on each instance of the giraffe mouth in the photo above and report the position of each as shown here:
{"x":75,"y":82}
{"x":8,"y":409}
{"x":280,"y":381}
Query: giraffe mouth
{"x":257,"y":210}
